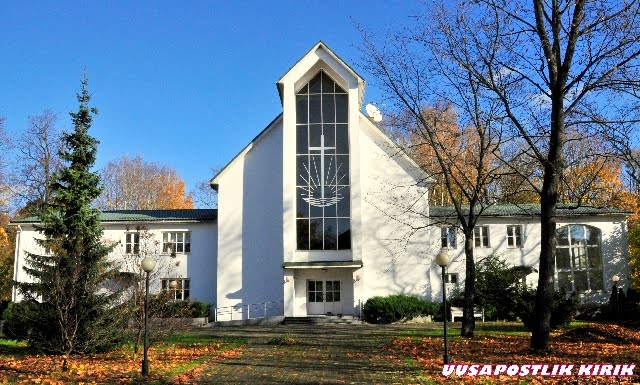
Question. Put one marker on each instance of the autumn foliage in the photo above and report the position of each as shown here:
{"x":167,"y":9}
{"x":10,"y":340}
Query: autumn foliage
{"x":179,"y":363}
{"x":134,"y":184}
{"x":589,"y":344}
{"x":6,"y":256}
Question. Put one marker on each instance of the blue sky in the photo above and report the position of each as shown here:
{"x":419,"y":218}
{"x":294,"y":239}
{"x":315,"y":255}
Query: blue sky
{"x":186,"y":84}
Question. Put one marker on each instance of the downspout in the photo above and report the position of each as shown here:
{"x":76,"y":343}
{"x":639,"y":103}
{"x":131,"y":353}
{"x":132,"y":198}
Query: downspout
{"x":14,"y":289}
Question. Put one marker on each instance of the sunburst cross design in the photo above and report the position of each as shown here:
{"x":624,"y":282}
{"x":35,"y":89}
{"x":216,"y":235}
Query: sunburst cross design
{"x":321,"y":180}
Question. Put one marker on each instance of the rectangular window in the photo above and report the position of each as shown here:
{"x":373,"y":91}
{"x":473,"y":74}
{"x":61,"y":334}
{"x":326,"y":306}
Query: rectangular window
{"x":481,"y":236}
{"x":514,"y":236}
{"x":448,"y":237}
{"x":132,"y":243}
{"x":180,"y":289}
{"x":179,"y":242}
{"x":579,"y":262}
{"x":451,"y":278}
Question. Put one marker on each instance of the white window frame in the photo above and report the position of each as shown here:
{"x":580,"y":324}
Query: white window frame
{"x":480,"y":235}
{"x":176,"y":242}
{"x":445,"y":237}
{"x":515,"y":239}
{"x":177,"y":294}
{"x":448,"y":278}
{"x":131,"y":245}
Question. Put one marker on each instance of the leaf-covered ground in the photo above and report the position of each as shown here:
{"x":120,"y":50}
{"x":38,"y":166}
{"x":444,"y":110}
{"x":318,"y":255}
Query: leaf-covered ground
{"x":588,"y":344}
{"x":170,"y":362}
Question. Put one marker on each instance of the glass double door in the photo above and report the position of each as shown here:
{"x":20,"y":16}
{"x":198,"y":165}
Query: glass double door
{"x":324,"y":297}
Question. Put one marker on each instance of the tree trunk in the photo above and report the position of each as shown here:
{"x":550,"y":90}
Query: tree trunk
{"x":468,"y":321}
{"x":540,"y":339}
{"x":136,"y":343}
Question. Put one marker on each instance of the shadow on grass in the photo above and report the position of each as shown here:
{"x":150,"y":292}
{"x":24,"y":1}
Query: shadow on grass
{"x":200,"y":338}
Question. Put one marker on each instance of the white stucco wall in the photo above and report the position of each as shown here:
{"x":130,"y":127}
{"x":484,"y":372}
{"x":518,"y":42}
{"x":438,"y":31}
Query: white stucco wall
{"x":250,"y":231}
{"x":396,"y":251}
{"x":199,"y":265}
{"x":614,"y":249}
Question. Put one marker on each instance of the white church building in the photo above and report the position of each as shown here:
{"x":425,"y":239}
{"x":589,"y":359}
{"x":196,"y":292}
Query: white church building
{"x":321,"y":211}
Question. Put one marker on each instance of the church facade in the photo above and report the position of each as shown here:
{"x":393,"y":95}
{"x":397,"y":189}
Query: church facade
{"x":322,"y":211}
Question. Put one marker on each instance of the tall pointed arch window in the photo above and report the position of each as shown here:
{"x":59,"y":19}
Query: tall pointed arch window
{"x":322,"y":166}
{"x":579,"y":258}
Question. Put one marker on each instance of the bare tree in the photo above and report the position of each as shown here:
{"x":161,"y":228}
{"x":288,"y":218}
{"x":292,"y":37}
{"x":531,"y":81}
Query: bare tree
{"x":204,"y":196}
{"x":37,"y":159}
{"x":625,"y":139}
{"x":552,"y":67}
{"x":166,"y":316}
{"x":5,"y":147}
{"x":455,"y":139}
{"x":543,"y":68}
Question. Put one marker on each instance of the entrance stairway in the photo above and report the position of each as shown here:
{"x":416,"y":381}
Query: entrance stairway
{"x":322,"y":319}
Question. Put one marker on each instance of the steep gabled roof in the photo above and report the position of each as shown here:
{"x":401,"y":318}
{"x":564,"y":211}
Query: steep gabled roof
{"x":528,"y":210}
{"x":213,"y":183}
{"x":146,"y":216}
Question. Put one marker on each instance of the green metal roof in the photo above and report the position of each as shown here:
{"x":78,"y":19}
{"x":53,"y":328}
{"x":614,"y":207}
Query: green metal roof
{"x":146,"y":216}
{"x":322,"y":264}
{"x":528,"y":210}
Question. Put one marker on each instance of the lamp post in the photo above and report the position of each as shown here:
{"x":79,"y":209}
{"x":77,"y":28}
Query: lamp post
{"x":442,"y":260}
{"x":173,"y":285}
{"x":148,"y":264}
{"x":615,"y":280}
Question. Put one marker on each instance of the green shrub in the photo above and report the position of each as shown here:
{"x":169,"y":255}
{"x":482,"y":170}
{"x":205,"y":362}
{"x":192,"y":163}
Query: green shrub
{"x":396,"y":307}
{"x":200,"y":309}
{"x":498,"y":288}
{"x":595,"y":312}
{"x":163,"y":306}
{"x":564,"y":307}
{"x":4,"y":304}
{"x":18,"y":320}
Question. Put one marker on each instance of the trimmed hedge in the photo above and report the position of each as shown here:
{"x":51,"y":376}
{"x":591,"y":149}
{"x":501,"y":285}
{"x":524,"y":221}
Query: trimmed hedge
{"x":397,"y":307}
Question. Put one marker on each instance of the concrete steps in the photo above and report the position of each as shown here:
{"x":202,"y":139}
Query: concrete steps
{"x":322,"y":319}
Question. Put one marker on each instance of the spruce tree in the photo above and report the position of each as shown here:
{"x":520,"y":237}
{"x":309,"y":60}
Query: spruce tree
{"x":74,"y":314}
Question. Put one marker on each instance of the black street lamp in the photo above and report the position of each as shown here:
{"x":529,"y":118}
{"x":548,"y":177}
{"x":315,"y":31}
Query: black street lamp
{"x":148,"y":264}
{"x":442,"y":260}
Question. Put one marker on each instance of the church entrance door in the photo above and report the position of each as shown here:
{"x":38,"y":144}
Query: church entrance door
{"x":324,"y":297}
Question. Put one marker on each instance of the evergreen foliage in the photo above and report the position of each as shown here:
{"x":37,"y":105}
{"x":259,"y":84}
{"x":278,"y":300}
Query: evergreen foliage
{"x":73,"y":314}
{"x":396,"y":307}
{"x":503,"y":296}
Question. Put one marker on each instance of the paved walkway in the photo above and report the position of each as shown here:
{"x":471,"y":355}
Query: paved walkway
{"x":323,"y":354}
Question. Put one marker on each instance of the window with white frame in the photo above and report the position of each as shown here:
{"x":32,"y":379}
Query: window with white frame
{"x":481,"y":236}
{"x":451,"y":278}
{"x":132,"y":243}
{"x":579,"y":258}
{"x":176,"y":242}
{"x":448,"y":237}
{"x":181,"y":290}
{"x":514,"y":236}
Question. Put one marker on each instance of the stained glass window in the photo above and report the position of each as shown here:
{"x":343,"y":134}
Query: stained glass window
{"x":322,"y":166}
